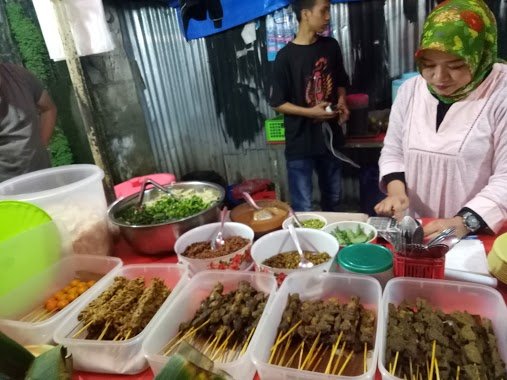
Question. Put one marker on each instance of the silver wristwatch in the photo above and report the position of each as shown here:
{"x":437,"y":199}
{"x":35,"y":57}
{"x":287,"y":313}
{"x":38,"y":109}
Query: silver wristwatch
{"x":471,"y":222}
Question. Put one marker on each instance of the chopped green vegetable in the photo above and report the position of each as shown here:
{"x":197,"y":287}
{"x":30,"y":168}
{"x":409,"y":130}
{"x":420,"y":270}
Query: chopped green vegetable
{"x":313,"y":223}
{"x":165,"y":209}
{"x":349,"y":236}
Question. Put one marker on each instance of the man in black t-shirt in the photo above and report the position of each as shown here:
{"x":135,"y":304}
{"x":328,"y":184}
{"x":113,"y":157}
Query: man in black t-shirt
{"x":309,"y":89}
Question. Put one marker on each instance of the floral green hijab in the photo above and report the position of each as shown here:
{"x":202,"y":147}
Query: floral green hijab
{"x":467,"y":29}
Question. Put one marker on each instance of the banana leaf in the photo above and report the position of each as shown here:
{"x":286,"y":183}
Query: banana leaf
{"x":189,"y":364}
{"x":54,"y":364}
{"x":14,"y":359}
{"x":18,"y":363}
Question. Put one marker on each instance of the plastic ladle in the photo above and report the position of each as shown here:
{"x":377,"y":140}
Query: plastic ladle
{"x":218,"y":241}
{"x":303,"y":262}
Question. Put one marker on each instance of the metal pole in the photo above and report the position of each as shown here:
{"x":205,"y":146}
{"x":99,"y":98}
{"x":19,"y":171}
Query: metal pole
{"x":83,"y":96}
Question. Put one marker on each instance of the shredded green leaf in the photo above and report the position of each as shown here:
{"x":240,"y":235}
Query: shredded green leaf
{"x":164,"y":209}
{"x":349,"y":236}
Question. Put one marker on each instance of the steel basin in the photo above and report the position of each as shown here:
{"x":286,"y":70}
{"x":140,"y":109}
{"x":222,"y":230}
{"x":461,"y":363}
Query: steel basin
{"x":160,"y":238}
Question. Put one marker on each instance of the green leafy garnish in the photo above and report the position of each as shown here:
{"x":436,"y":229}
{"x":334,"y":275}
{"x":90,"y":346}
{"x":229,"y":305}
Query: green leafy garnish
{"x":165,"y":209}
{"x":349,"y":236}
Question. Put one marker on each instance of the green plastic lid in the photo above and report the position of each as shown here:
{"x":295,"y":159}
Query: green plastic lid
{"x":365,"y":258}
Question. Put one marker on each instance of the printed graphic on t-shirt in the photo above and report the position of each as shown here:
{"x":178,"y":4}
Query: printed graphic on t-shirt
{"x":320,"y":84}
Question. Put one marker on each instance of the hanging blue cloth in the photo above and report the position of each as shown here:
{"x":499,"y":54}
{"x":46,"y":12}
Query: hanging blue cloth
{"x":232,"y":13}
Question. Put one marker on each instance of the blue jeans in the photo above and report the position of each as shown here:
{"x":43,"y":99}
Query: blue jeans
{"x":329,"y":174}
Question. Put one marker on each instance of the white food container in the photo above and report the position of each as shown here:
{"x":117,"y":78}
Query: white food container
{"x":74,"y":197}
{"x":184,"y":307}
{"x":208,"y":232}
{"x":123,"y":357}
{"x":448,"y":296}
{"x":33,"y":293}
{"x":314,"y":286}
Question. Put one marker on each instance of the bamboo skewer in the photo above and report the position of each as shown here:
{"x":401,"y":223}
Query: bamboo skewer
{"x":432,"y":364}
{"x":82,"y":329}
{"x":31,"y":314}
{"x":104,"y":331}
{"x":365,"y":365}
{"x":335,"y":367}
{"x":289,"y":362}
{"x":395,"y":362}
{"x":310,"y":353}
{"x":291,"y":330}
{"x":316,"y":355}
{"x":345,"y":363}
{"x":287,"y":345}
{"x":275,"y":346}
{"x":437,"y":369}
{"x":333,"y":352}
{"x":317,"y":364}
{"x":223,"y":345}
{"x":247,"y":342}
{"x":457,"y":373}
{"x":301,"y":355}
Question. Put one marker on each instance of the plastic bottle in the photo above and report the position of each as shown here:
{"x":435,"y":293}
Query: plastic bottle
{"x":288,"y":34}
{"x":280,"y":42}
{"x":271,"y":38}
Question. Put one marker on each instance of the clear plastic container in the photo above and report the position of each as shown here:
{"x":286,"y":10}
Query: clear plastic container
{"x":315,"y":286}
{"x":183,"y":309}
{"x":448,"y":296}
{"x":25,"y":298}
{"x":74,"y":197}
{"x":123,"y":357}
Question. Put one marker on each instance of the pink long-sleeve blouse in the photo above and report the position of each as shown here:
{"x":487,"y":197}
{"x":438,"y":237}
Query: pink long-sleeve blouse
{"x":464,"y":163}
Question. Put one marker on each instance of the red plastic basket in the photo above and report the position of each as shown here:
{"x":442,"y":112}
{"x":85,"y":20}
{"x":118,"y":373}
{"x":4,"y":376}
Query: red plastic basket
{"x":418,"y":267}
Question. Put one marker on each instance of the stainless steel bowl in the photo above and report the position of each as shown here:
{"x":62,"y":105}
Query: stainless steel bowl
{"x":159,"y":238}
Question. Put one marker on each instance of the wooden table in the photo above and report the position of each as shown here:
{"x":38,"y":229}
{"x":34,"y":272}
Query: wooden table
{"x":123,"y":250}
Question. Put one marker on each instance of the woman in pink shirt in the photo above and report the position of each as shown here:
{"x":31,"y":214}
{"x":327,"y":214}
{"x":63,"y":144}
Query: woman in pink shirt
{"x":445,"y":152}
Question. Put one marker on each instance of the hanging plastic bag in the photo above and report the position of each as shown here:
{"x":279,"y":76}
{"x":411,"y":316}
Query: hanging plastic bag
{"x":87,"y":22}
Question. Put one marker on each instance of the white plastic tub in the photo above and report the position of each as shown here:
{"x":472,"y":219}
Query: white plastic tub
{"x":73,"y":196}
{"x":314,"y":286}
{"x":448,"y":296}
{"x":183,"y":309}
{"x":34,"y":292}
{"x":124,"y":357}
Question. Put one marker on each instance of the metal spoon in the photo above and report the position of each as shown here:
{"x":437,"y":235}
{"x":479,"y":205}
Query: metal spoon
{"x":218,"y":241}
{"x":441,"y":236}
{"x":303,"y":263}
{"x":261,"y":213}
{"x":295,"y":218}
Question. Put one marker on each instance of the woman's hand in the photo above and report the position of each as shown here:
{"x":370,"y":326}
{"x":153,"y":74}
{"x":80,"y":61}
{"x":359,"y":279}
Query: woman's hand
{"x":396,"y":202}
{"x":435,"y":227}
{"x":393,"y":205}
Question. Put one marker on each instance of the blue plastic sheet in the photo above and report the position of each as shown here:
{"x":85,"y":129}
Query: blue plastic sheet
{"x":235,"y":13}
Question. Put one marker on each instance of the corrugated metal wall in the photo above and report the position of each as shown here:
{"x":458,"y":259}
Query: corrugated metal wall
{"x":192,"y":123}
{"x":185,"y":130}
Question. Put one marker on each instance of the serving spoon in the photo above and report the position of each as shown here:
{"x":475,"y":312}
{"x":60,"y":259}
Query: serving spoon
{"x":218,"y":241}
{"x":260,"y":213}
{"x":303,"y":262}
{"x":295,"y":218}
